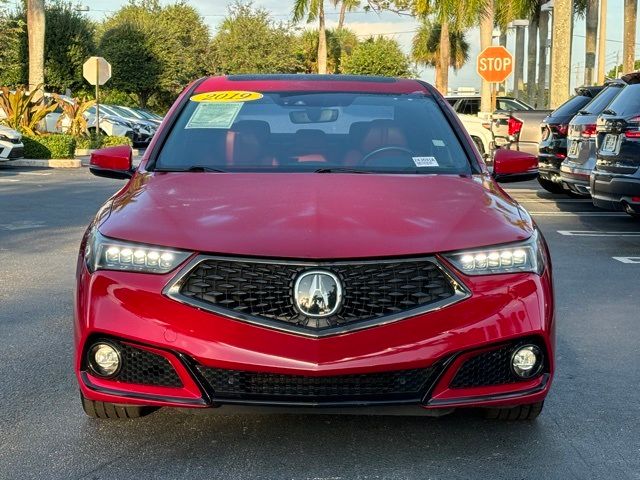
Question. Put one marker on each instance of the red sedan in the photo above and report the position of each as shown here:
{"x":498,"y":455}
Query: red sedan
{"x":323,"y":243}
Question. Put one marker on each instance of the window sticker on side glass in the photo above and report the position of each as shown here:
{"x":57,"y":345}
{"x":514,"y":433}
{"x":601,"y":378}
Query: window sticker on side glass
{"x":425,"y":161}
{"x":214,"y":115}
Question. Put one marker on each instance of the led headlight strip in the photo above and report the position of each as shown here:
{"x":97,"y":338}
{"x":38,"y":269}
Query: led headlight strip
{"x":103,"y":253}
{"x":518,"y":257}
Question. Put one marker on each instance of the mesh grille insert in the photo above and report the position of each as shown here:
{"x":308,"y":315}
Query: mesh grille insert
{"x":265,"y":290}
{"x":383,"y":386}
{"x":147,"y":368}
{"x":487,"y":368}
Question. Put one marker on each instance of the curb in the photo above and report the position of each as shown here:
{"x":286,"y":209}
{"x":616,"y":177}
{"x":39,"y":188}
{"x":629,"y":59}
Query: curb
{"x":51,"y":163}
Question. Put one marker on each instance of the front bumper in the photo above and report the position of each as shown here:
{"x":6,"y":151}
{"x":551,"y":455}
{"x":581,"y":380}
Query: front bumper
{"x":504,"y":310}
{"x":615,"y":191}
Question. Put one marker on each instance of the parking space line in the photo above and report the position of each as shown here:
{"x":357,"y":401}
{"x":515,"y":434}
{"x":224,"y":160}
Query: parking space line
{"x":627,"y":259}
{"x":596,"y":233}
{"x":578,"y":214}
{"x":23,"y":225}
{"x":9,"y":180}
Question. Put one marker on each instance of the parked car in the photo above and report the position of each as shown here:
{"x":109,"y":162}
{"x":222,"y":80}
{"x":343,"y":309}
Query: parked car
{"x":581,"y":140}
{"x":480,"y":132}
{"x":139,"y":115}
{"x":11,"y":146}
{"x":470,"y":104}
{"x":552,"y":148}
{"x":308,"y":241}
{"x":615,"y":180}
{"x":144,"y":130}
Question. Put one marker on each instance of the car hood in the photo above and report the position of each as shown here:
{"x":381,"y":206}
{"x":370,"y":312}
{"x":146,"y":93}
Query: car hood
{"x":300,"y":215}
{"x":9,"y":132}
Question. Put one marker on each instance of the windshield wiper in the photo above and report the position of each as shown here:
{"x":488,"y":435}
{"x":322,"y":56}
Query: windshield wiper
{"x":583,"y":112}
{"x":608,"y":111}
{"x":340,"y":170}
{"x":193,"y":168}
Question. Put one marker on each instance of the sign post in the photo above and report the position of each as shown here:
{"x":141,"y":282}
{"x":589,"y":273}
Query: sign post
{"x":494,"y":64}
{"x":97,"y":71}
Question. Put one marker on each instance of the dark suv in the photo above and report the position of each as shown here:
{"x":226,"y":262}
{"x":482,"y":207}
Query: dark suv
{"x":581,"y":143}
{"x":553,"y":145}
{"x":615,"y":181}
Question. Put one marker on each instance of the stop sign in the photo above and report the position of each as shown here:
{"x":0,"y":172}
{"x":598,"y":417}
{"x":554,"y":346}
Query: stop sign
{"x":96,"y":70}
{"x":494,"y":64}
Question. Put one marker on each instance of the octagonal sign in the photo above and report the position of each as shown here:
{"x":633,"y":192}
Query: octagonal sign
{"x":494,"y":64}
{"x":96,"y":70}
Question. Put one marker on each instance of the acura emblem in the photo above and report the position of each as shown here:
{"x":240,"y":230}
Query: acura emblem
{"x":317,"y":293}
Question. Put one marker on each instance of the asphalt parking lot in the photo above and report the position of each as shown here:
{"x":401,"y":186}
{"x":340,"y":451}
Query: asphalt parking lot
{"x":590,"y":427}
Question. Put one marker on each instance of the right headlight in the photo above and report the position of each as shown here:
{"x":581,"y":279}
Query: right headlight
{"x":102,"y":253}
{"x":512,"y":258}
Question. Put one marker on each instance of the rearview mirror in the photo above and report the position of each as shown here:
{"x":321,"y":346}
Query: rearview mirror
{"x":112,"y":162}
{"x":514,"y":166}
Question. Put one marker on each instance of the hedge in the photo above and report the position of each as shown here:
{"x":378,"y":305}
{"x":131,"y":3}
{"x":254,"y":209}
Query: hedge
{"x":105,"y":141}
{"x":49,"y":146}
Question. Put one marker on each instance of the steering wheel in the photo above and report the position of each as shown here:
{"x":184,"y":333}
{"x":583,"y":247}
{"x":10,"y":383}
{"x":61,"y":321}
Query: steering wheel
{"x":368,"y":156}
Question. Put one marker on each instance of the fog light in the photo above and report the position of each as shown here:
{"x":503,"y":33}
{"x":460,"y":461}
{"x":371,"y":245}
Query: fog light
{"x":104,"y":359}
{"x":526,"y":361}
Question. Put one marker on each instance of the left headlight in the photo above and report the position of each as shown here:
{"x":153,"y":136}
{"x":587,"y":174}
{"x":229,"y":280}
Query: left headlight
{"x":103,"y":253}
{"x":512,"y":258}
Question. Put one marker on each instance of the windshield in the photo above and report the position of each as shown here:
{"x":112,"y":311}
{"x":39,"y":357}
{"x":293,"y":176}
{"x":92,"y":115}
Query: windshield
{"x":571,"y":106}
{"x":505,"y":104}
{"x":604,"y":98}
{"x":310,"y":131}
{"x":628,"y":102}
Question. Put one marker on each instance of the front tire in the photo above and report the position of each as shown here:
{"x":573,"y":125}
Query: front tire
{"x":550,"y":186}
{"x":521,"y":412}
{"x":111,"y":411}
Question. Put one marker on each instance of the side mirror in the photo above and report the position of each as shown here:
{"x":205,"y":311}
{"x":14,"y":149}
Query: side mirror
{"x":112,"y":162}
{"x":514,"y":166}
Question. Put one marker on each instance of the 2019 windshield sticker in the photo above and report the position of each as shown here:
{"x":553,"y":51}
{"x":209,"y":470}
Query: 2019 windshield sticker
{"x":226,"y":96}
{"x":214,"y":115}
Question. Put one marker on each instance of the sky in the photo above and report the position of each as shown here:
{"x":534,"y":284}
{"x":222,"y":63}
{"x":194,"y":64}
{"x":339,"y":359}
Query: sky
{"x":401,"y":28}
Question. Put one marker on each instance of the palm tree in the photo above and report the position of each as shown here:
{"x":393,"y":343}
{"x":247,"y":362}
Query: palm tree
{"x":426,"y":49}
{"x":629,"y":35}
{"x":451,"y":15}
{"x":35,"y":33}
{"x":345,"y":6}
{"x":313,"y":9}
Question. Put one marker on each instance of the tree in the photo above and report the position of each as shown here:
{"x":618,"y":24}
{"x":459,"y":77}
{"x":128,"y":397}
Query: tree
{"x":135,"y":66}
{"x":313,"y":9}
{"x":378,"y":56}
{"x":36,"y":32}
{"x":69,"y":41}
{"x":154,"y":50}
{"x":340,"y":44}
{"x":10,"y":28}
{"x":425,"y":48}
{"x":451,"y":15}
{"x":629,"y":35}
{"x":345,"y":5}
{"x":248,"y":41}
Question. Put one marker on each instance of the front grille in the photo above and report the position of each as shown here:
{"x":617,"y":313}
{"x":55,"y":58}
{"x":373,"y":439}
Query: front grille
{"x":487,"y":368}
{"x":371,"y":290}
{"x":17,"y":152}
{"x":147,"y":368}
{"x":396,"y":386}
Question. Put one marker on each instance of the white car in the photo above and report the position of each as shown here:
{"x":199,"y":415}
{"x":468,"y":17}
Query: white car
{"x":11,"y":146}
{"x":479,"y":130}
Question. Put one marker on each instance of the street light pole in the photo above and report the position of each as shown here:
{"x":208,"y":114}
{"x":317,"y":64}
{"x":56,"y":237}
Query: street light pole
{"x":602,"y":35}
{"x":561,"y":52}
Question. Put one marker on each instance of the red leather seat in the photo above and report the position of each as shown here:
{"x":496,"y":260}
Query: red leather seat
{"x":377,"y":134}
